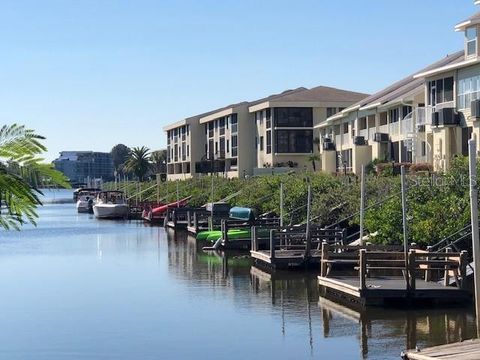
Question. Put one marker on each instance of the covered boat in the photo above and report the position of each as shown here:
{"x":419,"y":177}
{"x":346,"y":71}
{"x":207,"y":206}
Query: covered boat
{"x":111,"y":205}
{"x":85,"y":200}
{"x":242,"y":213}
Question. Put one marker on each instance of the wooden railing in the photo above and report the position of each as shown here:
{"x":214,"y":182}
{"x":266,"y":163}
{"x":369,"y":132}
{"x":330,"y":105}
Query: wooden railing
{"x":418,"y":265}
{"x":295,"y":238}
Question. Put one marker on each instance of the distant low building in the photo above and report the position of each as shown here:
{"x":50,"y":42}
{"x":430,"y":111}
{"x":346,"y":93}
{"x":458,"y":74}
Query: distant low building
{"x":81,"y":166}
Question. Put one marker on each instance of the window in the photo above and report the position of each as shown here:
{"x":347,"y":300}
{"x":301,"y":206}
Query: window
{"x":222,"y":126}
{"x":234,"y":145}
{"x":293,"y":117}
{"x":268,"y":115}
{"x":269,"y":142}
{"x":222,"y":148}
{"x":184,"y":152}
{"x":331,"y":111}
{"x":228,"y":146}
{"x":448,"y":89}
{"x":345,"y":128}
{"x":294,"y":141}
{"x":394,"y":115}
{"x":188,"y":150}
{"x":210,"y":129}
{"x":468,"y":91}
{"x":471,"y":41}
{"x":261,"y":143}
{"x":406,"y":110}
{"x":211,"y":153}
{"x":234,"y":124}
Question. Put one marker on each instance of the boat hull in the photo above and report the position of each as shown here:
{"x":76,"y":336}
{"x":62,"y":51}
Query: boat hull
{"x":110,"y":211}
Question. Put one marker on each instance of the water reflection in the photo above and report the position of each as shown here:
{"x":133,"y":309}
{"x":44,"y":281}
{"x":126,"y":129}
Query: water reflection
{"x":133,"y":291}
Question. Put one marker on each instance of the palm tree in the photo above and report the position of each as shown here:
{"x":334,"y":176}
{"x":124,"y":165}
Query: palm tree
{"x":314,"y":157}
{"x":159,"y":160}
{"x":138,"y":162}
{"x":21,"y":175}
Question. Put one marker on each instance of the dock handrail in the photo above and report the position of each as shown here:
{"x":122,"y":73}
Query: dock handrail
{"x":450,"y":263}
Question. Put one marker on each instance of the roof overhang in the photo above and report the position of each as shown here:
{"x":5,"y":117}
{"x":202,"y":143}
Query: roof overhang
{"x":175,"y":125}
{"x":258,"y":107}
{"x":463,"y":25}
{"x":219,"y":114}
{"x":370,"y":106}
{"x":446,"y":68}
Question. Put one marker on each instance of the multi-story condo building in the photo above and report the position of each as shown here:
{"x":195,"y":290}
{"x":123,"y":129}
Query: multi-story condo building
{"x":245,"y":138}
{"x":184,"y":143}
{"x":284,"y":124}
{"x":425,"y":118}
{"x":82,"y":166}
{"x":392,"y":124}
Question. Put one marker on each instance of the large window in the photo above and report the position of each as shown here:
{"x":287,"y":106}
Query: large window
{"x":293,"y":117}
{"x":268,"y":115}
{"x":294,"y":141}
{"x":234,"y":145}
{"x":468,"y":90}
{"x":331,"y":111}
{"x":440,"y":91}
{"x":394,"y":115}
{"x":210,"y":128}
{"x":471,"y":41}
{"x":233,"y":122}
{"x":222,"y":126}
{"x":269,"y":142}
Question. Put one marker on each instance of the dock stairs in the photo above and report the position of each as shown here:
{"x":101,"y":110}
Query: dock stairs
{"x":458,"y":241}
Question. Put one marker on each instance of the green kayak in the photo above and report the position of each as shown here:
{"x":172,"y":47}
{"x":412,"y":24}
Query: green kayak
{"x":233,"y":234}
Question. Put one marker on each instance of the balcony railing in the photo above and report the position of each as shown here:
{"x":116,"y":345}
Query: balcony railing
{"x":383,"y":129}
{"x":394,"y":128}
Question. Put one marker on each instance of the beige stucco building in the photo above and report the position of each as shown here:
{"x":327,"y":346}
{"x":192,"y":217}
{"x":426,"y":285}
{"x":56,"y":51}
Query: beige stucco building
{"x":248,"y":138}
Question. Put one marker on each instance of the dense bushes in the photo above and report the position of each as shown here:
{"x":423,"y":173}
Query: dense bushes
{"x":438,"y":205}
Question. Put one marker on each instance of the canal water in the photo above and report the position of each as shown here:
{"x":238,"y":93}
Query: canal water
{"x":78,"y":288}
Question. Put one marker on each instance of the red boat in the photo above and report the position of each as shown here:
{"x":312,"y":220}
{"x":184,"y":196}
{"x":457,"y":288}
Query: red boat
{"x":157,"y":214}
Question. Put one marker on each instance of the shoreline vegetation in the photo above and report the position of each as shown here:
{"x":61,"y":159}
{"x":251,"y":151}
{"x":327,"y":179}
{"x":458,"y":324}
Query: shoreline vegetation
{"x":438,"y":204}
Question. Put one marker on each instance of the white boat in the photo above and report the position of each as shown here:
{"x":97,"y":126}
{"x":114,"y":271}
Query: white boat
{"x":111,"y":205}
{"x":86,"y":200}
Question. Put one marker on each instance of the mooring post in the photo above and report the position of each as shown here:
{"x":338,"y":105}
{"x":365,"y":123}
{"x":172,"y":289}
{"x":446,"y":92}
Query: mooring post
{"x":308,"y":239}
{"x":472,"y":160}
{"x":272,"y":245}
{"x":324,"y":259}
{"x":158,"y":189}
{"x":363,"y":269}
{"x":362,"y":203}
{"x":404,"y":221}
{"x":463,"y":268}
{"x":178,"y":197}
{"x":411,"y":285}
{"x":281,"y":204}
{"x":225,"y":231}
{"x":446,"y":276}
{"x":254,"y":239}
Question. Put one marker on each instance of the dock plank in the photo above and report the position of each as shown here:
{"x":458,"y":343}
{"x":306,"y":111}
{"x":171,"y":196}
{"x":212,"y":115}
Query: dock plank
{"x":465,"y":350}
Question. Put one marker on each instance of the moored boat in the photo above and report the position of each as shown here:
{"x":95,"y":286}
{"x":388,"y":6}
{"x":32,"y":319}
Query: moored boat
{"x":111,"y":205}
{"x":157,"y":214}
{"x":85,"y":201}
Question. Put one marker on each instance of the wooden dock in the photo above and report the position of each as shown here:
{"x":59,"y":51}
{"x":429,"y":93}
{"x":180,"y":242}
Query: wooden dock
{"x":465,"y":350}
{"x":384,"y":277}
{"x":292,"y":247}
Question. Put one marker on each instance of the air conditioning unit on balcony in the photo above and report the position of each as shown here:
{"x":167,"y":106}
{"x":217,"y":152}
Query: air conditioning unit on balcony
{"x":327,"y":140}
{"x":475,"y":108}
{"x":381,"y":137}
{"x":328,"y":146}
{"x":445,"y":117}
{"x":359,"y":140}
{"x":421,"y":128}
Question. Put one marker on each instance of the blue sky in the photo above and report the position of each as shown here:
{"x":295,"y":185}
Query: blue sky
{"x":91,"y":74}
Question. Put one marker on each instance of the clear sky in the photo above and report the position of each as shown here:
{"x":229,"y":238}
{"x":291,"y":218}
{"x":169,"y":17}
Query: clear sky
{"x":89,"y":74}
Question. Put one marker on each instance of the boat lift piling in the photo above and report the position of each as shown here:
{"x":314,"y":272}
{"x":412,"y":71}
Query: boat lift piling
{"x":472,"y":161}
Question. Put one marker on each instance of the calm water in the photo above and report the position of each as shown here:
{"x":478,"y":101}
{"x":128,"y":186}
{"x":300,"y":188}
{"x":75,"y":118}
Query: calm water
{"x":77,"y":288}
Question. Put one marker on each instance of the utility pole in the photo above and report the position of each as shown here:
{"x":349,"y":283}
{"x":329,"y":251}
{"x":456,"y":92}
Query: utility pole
{"x":472,"y":161}
{"x":404,"y":221}
{"x":362,"y":204}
